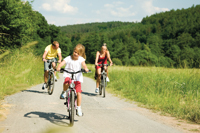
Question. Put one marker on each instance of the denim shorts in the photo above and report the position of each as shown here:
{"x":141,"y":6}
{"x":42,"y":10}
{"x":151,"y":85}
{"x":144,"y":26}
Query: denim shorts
{"x":47,"y":65}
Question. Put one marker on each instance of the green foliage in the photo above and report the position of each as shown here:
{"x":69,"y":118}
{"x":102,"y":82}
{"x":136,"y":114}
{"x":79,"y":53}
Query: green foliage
{"x":167,"y":39}
{"x":117,"y":61}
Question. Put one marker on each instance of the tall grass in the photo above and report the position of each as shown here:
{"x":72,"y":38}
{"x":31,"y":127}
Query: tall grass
{"x":20,"y":69}
{"x":173,"y":91}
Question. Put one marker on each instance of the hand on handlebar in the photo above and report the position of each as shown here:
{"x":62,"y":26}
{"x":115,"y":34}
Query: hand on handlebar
{"x":44,"y":60}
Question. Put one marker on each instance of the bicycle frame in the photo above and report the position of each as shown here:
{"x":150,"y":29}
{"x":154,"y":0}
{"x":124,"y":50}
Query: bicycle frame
{"x":69,"y":94}
{"x":103,"y":82}
{"x":50,"y":83}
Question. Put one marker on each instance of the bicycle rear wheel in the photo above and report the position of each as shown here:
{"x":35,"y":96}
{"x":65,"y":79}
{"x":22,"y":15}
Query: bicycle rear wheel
{"x":71,"y":111}
{"x":51,"y":83}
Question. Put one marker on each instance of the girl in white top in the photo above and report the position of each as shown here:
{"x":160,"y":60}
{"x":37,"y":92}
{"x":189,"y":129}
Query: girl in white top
{"x":74,"y":63}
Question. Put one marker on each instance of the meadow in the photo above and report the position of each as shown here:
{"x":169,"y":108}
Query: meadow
{"x":171,"y":91}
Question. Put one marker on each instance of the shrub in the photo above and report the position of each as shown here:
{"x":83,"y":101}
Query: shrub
{"x":117,"y":61}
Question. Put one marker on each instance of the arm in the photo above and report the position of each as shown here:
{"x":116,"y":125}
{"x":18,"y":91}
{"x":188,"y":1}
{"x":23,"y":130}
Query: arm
{"x":60,"y":57}
{"x":84,"y":66}
{"x":97,"y":58}
{"x":108,"y":55}
{"x":60,"y":65}
{"x":44,"y":56}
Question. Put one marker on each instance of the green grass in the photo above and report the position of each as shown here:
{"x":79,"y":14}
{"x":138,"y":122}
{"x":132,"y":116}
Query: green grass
{"x":19,"y":70}
{"x":173,"y":91}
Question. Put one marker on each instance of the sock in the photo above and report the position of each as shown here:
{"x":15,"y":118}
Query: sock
{"x":78,"y":107}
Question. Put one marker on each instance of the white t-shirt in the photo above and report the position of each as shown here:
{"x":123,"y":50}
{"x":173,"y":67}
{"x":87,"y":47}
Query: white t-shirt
{"x":74,"y":66}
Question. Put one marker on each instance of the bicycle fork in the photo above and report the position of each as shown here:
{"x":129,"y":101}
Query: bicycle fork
{"x":67,"y":103}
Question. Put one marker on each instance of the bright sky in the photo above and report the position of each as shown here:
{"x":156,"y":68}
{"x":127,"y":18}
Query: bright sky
{"x":68,"y":12}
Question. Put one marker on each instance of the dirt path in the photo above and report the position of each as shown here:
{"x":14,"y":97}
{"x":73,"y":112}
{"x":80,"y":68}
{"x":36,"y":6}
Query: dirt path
{"x":34,"y":111}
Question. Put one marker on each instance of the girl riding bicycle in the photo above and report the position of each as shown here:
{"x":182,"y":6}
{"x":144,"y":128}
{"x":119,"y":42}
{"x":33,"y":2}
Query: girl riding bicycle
{"x":101,"y":58}
{"x":74,"y":63}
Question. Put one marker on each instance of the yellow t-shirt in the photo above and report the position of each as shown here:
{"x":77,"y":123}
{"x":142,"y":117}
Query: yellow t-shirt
{"x":52,"y":53}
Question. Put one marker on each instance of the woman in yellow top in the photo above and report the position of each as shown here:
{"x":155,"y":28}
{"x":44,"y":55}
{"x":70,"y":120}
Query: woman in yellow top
{"x":50,"y":54}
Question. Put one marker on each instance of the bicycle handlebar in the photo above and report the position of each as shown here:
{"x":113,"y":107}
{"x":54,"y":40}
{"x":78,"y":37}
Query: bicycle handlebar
{"x":104,"y":64}
{"x":82,"y":70}
{"x":51,"y":61}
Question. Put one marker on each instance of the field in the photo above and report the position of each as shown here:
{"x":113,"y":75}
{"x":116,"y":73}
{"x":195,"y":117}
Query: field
{"x":172,"y":91}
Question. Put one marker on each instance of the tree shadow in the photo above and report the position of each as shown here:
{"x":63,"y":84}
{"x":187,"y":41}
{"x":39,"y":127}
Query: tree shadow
{"x":89,"y":94}
{"x":34,"y":91}
{"x":57,"y":119}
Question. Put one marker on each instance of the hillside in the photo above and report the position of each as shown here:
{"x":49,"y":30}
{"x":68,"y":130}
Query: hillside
{"x":168,"y":39}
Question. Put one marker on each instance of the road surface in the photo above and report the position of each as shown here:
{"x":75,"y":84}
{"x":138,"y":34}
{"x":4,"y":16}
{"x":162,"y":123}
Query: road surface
{"x":34,"y":111}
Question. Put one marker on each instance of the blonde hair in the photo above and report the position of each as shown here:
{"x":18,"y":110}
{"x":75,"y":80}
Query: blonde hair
{"x":54,"y":43}
{"x":81,"y":50}
{"x":104,"y":44}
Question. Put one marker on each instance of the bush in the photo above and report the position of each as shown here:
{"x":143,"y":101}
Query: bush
{"x":117,"y":61}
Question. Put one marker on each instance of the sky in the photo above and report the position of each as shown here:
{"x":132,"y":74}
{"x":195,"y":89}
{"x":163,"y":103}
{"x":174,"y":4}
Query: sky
{"x":70,"y":12}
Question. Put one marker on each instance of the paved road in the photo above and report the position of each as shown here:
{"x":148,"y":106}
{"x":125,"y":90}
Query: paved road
{"x":34,"y":111}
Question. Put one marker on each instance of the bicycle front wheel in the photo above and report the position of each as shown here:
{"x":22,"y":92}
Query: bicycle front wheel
{"x":71,"y":112}
{"x":51,"y":83}
{"x":104,"y":86}
{"x":100,"y":88}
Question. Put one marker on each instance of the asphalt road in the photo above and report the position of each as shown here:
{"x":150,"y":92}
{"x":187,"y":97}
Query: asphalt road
{"x":34,"y":111}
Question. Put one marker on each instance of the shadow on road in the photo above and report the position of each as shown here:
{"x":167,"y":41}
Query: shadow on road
{"x":34,"y":91}
{"x":89,"y":94}
{"x":54,"y":118}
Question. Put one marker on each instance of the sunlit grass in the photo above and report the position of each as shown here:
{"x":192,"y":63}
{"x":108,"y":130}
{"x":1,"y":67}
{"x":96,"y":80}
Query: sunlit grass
{"x":20,"y":69}
{"x":173,"y":91}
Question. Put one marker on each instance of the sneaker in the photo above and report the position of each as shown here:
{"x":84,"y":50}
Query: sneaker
{"x":107,"y":79}
{"x":97,"y":90}
{"x":63,"y":95}
{"x":79,"y":112}
{"x":44,"y":86}
{"x":55,"y":78}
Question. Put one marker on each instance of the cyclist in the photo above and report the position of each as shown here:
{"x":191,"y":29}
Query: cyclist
{"x":74,"y":63}
{"x":50,"y":54}
{"x":101,"y":58}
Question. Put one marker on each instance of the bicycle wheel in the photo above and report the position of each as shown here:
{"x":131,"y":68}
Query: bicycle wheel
{"x":104,"y":86}
{"x":71,"y":111}
{"x":51,"y":83}
{"x":100,"y":88}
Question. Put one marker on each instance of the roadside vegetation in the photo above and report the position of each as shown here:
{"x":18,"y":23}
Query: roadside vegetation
{"x":171,"y":91}
{"x":19,"y":70}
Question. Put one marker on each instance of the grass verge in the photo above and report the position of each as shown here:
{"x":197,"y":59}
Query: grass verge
{"x":172,"y":91}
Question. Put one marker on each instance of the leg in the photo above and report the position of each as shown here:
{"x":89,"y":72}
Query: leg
{"x":106,"y":69}
{"x":78,"y":98}
{"x":45,"y":76}
{"x":78,"y":91}
{"x":65,"y":87}
{"x":54,"y":67}
{"x":98,"y":78}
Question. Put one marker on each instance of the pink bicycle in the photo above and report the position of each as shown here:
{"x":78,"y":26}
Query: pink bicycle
{"x":71,"y":98}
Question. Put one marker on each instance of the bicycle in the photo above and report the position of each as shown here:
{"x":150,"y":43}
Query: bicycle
{"x":103,"y":82}
{"x":71,"y":97}
{"x":51,"y":78}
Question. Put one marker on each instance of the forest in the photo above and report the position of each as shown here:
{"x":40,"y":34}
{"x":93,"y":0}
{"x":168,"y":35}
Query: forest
{"x":167,"y":39}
